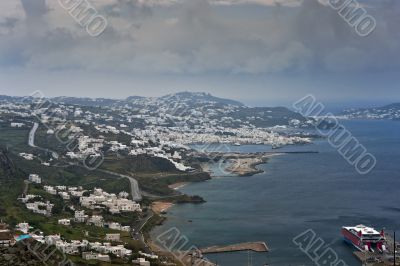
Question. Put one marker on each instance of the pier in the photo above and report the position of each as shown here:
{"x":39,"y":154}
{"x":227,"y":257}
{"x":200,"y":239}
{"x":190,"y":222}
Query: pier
{"x":196,"y":258}
{"x":376,"y":258}
{"x":250,"y":246}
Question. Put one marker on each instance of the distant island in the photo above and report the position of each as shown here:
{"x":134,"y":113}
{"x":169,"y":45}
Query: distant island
{"x":387,"y":112}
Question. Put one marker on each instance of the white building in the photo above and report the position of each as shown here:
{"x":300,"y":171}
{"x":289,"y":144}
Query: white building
{"x":96,"y":220}
{"x":75,"y":193}
{"x":28,"y":197}
{"x":64,"y":195}
{"x":51,"y":190}
{"x":40,"y":207}
{"x":23,"y":227}
{"x":52,"y":239}
{"x":80,"y":216}
{"x":19,"y":125}
{"x":66,"y":222}
{"x":61,"y":188}
{"x":113,"y":237}
{"x":35,"y":179}
{"x":27,"y":156}
{"x":119,"y":227}
{"x":141,"y":262}
{"x":95,"y":256}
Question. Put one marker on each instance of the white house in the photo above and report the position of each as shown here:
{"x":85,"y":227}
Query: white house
{"x":40,"y":207}
{"x":23,"y":227}
{"x":66,"y":222}
{"x":141,"y":262}
{"x":61,"y":188}
{"x":80,"y":216}
{"x":52,"y":239}
{"x":95,"y":256}
{"x":35,"y":178}
{"x":96,"y":220}
{"x":51,"y":190}
{"x":28,"y":197}
{"x":64,"y":195}
{"x":119,"y":251}
{"x":125,"y":228}
{"x":119,"y":227}
{"x":113,"y":237}
{"x":19,"y":125}
{"x":75,"y":193}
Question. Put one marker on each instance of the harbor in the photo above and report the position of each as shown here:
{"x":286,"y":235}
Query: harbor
{"x":196,"y":257}
{"x":377,"y":258}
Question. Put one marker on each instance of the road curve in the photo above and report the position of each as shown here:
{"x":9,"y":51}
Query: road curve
{"x":135,"y":190}
{"x":31,"y":139}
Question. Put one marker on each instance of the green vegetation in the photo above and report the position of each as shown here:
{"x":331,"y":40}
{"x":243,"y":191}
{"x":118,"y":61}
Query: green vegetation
{"x":14,"y":138}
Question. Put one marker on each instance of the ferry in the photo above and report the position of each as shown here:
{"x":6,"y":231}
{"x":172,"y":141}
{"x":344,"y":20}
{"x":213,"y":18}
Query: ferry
{"x":365,"y":238}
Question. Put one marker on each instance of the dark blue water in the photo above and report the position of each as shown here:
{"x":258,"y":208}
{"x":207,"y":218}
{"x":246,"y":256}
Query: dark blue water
{"x":297,"y":192}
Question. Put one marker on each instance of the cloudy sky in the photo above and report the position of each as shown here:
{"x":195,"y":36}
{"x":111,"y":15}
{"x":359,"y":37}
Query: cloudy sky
{"x":262,"y":52}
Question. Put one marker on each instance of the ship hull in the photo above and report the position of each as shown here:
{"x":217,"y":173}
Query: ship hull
{"x":351,"y":239}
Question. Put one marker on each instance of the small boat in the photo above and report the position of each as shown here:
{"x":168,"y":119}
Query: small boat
{"x":237,"y":144}
{"x":364,"y":238}
{"x":276,"y":146}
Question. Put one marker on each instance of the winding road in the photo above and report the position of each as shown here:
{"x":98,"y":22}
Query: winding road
{"x":135,"y":190}
{"x":31,"y":139}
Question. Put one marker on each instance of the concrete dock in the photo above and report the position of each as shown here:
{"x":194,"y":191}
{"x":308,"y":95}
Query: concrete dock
{"x":379,"y":259}
{"x":249,"y":246}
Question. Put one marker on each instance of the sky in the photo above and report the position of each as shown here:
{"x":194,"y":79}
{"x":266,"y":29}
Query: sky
{"x":260,"y":52}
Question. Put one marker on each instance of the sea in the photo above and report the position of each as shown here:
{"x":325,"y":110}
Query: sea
{"x":297,"y":193}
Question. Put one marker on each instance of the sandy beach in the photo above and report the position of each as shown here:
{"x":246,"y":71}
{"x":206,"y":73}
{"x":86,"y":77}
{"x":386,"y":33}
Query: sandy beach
{"x":161,"y":206}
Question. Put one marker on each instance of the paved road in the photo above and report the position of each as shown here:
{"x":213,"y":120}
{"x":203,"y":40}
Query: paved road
{"x":26,"y":187}
{"x":135,"y":190}
{"x":31,"y":139}
{"x":137,"y":233}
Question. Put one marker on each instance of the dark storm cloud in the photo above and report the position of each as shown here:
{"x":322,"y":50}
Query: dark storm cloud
{"x":34,"y":8}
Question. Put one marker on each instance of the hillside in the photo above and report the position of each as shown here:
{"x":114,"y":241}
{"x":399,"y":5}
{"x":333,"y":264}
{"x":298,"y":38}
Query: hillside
{"x":195,"y":106}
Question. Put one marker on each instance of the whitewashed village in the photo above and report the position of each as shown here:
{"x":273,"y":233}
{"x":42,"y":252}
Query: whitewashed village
{"x":99,"y":200}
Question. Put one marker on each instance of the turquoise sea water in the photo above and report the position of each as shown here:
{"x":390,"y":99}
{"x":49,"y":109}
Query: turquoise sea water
{"x":297,"y":192}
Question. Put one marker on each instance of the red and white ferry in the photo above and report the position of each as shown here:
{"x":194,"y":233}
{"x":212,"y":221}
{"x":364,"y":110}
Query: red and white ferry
{"x":365,"y":238}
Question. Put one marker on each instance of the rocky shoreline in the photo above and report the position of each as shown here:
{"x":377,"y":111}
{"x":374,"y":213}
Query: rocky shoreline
{"x":245,"y":166}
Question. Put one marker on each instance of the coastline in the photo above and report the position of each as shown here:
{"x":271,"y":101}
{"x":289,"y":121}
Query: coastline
{"x":179,"y":185}
{"x":238,"y":165}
